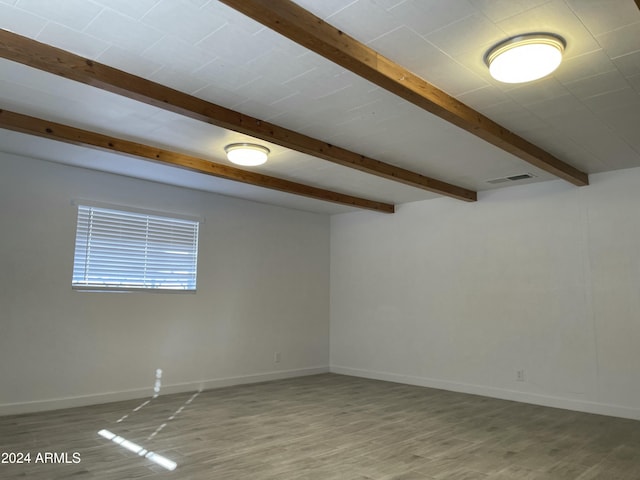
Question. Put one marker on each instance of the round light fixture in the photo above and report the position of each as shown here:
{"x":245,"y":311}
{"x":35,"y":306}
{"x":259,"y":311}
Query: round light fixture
{"x":247,"y":154}
{"x":525,"y":57}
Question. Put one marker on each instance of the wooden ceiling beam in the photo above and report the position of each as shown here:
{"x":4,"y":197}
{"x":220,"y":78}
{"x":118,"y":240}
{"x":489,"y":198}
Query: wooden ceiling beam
{"x":304,"y":28}
{"x":68,"y":65}
{"x":64,"y":133}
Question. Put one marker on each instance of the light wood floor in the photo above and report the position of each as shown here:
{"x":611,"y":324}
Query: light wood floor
{"x":327,"y":427}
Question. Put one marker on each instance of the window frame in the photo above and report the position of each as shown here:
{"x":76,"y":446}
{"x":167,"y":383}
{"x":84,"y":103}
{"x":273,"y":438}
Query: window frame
{"x":120,"y":285}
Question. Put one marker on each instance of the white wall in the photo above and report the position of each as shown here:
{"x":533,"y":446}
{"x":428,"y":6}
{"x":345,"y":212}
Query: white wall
{"x":263,"y":286}
{"x":542,"y":278}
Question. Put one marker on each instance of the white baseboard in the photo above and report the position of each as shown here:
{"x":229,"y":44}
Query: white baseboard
{"x":84,"y":400}
{"x":504,"y":394}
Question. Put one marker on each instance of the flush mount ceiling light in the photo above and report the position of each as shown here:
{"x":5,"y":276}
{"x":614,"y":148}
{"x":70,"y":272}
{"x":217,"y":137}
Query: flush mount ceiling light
{"x":525,"y":57}
{"x":247,"y":154}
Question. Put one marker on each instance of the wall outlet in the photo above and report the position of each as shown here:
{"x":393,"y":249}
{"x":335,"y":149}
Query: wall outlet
{"x":520,"y":375}
{"x":277,"y":356}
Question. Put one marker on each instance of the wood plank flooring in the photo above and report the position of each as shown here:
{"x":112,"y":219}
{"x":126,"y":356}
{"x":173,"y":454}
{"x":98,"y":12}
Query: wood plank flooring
{"x":326,"y":427}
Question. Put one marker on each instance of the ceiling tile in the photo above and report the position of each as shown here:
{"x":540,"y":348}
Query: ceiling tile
{"x":129,"y":62}
{"x":76,"y":14}
{"x":363,"y":20}
{"x":514,"y":117}
{"x":325,"y":8}
{"x":388,"y":4}
{"x":178,"y":80}
{"x":215,"y":94}
{"x":405,"y":47}
{"x":381,"y":109}
{"x":618,"y":99}
{"x":584,"y":66}
{"x":597,"y":139}
{"x":564,"y":147}
{"x":454,"y":39}
{"x":134,"y":9}
{"x":294,"y":114}
{"x":325,"y":131}
{"x":264,"y":90}
{"x":628,"y":64}
{"x":233,"y":44}
{"x":277,"y":66}
{"x":473,"y":60}
{"x":634,"y":142}
{"x":601,"y":16}
{"x":497,"y":10}
{"x":532,"y":92}
{"x":451,"y":77}
{"x":199,"y":3}
{"x":123,"y":32}
{"x":584,"y":125}
{"x":622,"y":41}
{"x":257,"y":109}
{"x":567,"y":149}
{"x":225,"y":74}
{"x":448,"y":74}
{"x":634,"y":81}
{"x":349,"y":97}
{"x":233,"y":17}
{"x":184,"y":20}
{"x":71,"y":40}
{"x":410,"y":50}
{"x":280,"y":43}
{"x":181,"y":55}
{"x":623,"y":118}
{"x":320,"y":83}
{"x":349,"y":122}
{"x":21,"y":22}
{"x":567,"y":105}
{"x":598,"y":84}
{"x":508,"y":113}
{"x":556,"y":17}
{"x":483,"y":97}
{"x":425,"y":16}
{"x":55,"y":98}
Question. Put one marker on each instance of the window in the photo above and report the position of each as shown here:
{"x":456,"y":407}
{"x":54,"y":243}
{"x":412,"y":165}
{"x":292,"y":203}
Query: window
{"x":125,"y":250}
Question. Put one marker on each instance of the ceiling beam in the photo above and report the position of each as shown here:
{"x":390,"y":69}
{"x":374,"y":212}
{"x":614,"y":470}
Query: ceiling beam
{"x":301,"y":26}
{"x":60,"y":62}
{"x":75,"y":136}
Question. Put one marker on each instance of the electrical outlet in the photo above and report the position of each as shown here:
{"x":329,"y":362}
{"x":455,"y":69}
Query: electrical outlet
{"x":520,"y":375}
{"x":277,"y":356}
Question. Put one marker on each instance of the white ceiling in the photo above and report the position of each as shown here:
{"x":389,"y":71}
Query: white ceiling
{"x":587,"y":113}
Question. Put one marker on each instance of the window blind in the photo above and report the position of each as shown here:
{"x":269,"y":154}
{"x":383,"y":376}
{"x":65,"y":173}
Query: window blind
{"x":124,"y":250}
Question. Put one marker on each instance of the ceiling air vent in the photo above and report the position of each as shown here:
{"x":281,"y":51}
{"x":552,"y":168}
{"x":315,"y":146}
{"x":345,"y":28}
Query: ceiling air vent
{"x":511,"y":178}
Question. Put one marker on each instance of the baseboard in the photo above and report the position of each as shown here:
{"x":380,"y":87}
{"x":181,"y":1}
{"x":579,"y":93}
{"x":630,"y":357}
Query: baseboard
{"x":84,"y":400}
{"x":504,"y":394}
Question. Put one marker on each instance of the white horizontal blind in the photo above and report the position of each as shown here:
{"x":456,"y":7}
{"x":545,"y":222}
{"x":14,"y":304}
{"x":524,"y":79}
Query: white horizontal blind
{"x":122,"y":250}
